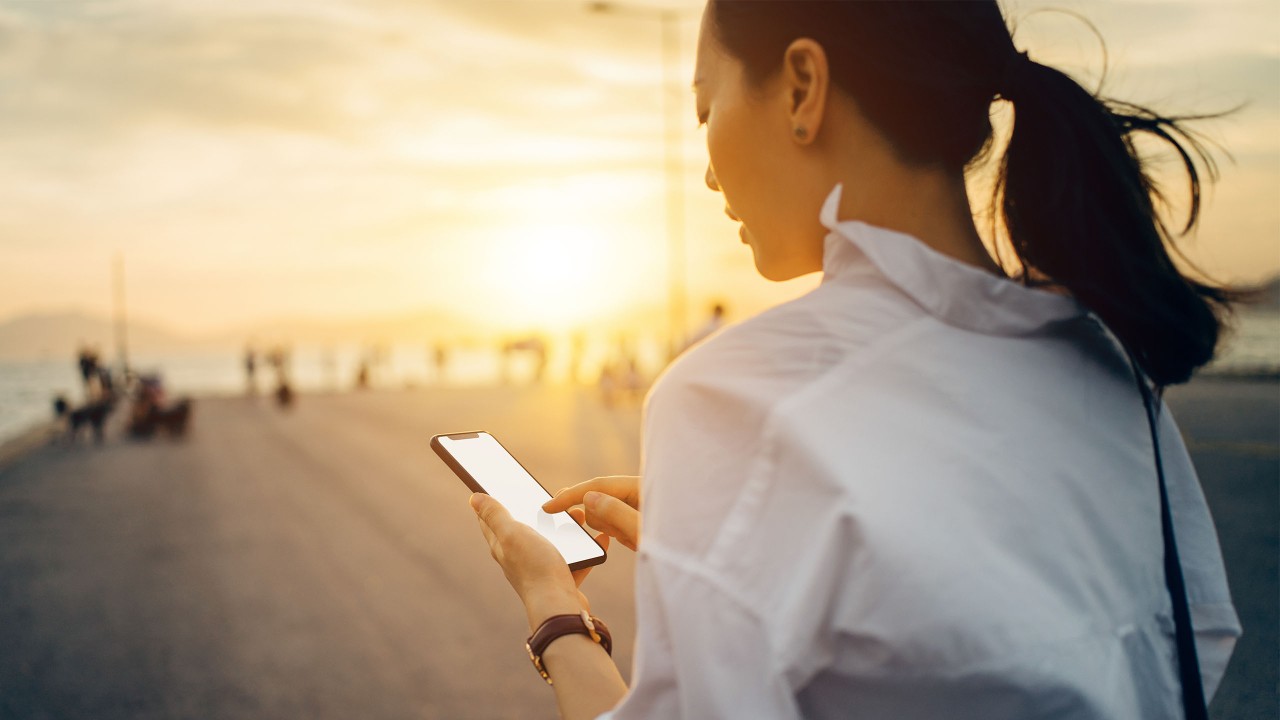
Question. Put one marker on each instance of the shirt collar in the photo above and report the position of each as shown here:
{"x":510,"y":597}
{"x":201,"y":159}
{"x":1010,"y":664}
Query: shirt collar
{"x":954,"y":292}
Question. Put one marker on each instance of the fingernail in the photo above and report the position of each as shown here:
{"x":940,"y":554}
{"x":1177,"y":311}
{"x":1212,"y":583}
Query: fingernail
{"x":475,"y":501}
{"x":591,"y":499}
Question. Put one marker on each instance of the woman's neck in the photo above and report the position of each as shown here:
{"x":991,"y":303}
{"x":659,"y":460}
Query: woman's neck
{"x":929,"y":204}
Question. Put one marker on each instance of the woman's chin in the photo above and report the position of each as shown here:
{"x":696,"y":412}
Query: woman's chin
{"x":771,"y":269}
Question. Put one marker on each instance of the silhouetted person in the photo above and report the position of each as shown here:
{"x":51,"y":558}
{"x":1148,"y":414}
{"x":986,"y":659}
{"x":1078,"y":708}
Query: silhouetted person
{"x":284,"y":394}
{"x":539,"y":350}
{"x":107,"y":384}
{"x":620,"y":378}
{"x":250,"y":369}
{"x":440,"y":360}
{"x":278,"y":359}
{"x":713,"y":323}
{"x":87,"y":360}
{"x":152,"y":410}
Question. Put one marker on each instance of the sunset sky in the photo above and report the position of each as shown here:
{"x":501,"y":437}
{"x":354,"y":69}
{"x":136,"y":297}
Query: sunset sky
{"x":256,"y":159}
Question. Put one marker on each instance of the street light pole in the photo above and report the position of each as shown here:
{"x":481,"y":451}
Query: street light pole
{"x":673,"y":144}
{"x":121,"y":324}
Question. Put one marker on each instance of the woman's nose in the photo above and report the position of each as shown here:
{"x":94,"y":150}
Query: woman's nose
{"x":711,"y":180}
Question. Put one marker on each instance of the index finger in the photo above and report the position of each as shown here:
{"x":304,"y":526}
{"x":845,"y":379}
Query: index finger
{"x":624,"y":487}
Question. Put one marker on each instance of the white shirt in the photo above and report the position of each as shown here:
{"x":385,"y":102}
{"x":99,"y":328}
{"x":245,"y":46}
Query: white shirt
{"x":919,"y":491}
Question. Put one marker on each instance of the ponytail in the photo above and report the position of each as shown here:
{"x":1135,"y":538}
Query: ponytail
{"x":1079,"y":206}
{"x":1080,"y":210}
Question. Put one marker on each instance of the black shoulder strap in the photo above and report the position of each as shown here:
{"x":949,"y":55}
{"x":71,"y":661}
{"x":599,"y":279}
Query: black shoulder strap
{"x":1188,"y":662}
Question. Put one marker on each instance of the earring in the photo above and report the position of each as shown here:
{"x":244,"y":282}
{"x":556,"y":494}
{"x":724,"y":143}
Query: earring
{"x":801,"y":133}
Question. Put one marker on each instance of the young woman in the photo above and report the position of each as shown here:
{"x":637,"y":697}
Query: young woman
{"x":923,"y":490}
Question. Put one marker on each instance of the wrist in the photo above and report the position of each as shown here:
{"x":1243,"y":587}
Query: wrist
{"x":568,"y":646}
{"x":559,"y":632}
{"x":549,"y":602}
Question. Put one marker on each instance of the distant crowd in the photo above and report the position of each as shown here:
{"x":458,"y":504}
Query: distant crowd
{"x":621,"y":376}
{"x":150,"y":409}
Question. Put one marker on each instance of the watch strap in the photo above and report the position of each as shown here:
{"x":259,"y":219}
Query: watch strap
{"x":556,"y":627}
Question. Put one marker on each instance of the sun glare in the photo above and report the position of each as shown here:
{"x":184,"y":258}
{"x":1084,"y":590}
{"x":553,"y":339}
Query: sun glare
{"x":552,"y":278}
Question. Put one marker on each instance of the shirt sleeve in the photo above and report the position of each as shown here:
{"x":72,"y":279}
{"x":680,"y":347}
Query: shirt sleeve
{"x":723,"y":667}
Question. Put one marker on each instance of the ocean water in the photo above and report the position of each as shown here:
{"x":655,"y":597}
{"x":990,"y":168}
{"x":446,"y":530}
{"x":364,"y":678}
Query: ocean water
{"x":27,"y":388}
{"x":1253,"y":345}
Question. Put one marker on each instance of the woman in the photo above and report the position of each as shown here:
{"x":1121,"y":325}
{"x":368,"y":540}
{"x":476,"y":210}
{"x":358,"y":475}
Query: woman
{"x":923,"y":490}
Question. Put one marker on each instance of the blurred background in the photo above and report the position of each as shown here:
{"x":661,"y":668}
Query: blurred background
{"x":388,"y":178}
{"x":392,"y":218}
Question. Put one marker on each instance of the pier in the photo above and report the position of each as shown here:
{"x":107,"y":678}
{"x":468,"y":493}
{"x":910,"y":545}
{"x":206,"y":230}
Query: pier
{"x":321,"y":562}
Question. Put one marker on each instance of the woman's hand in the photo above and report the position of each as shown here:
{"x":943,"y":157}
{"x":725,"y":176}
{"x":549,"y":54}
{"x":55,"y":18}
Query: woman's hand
{"x":534,"y":567}
{"x":612,"y":506}
{"x":587,"y":682}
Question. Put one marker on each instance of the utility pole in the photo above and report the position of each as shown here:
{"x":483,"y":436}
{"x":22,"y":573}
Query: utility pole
{"x":121,"y":324}
{"x":673,"y":150}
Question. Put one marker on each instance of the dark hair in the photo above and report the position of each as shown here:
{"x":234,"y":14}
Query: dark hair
{"x":1077,"y":202}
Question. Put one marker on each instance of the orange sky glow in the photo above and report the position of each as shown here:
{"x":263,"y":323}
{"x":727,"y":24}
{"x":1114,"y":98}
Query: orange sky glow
{"x":499,"y":161}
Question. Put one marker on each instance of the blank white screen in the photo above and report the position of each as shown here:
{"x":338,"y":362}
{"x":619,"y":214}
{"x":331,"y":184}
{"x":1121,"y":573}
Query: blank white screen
{"x":490,"y":465}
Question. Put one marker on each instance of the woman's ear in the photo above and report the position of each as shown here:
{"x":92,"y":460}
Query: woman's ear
{"x":806,"y":79}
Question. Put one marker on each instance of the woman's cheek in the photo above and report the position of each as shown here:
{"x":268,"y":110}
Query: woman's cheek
{"x":726,"y":163}
{"x":714,"y":151}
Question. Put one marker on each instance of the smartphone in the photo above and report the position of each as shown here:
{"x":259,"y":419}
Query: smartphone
{"x":485,"y":466}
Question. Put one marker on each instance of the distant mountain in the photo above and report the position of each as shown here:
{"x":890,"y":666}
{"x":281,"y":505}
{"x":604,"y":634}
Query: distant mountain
{"x":60,"y":334}
{"x":53,"y":335}
{"x":407,"y":327}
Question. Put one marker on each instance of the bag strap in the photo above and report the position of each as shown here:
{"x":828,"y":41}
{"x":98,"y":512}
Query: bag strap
{"x":1188,"y":662}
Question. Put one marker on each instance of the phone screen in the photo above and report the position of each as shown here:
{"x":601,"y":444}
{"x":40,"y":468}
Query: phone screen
{"x":503,"y":477}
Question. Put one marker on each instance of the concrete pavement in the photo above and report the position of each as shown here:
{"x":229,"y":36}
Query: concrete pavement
{"x":322,"y":563}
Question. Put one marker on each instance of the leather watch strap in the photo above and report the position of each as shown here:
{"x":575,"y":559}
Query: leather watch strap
{"x":557,"y":626}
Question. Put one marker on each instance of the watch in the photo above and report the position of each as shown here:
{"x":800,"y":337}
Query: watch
{"x":556,"y":627}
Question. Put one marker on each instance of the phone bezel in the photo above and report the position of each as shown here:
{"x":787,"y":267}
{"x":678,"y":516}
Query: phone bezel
{"x":475,"y":486}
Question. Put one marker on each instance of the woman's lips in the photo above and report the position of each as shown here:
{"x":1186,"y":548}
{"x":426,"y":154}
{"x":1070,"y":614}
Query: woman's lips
{"x":742,"y":227}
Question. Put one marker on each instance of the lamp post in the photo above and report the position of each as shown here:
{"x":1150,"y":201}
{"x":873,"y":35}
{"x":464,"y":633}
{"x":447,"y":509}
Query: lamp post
{"x":669,"y":20}
{"x":121,"y":324}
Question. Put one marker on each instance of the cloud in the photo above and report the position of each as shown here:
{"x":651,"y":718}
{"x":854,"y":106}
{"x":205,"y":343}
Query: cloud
{"x":76,"y":75}
{"x":286,"y":142}
{"x":87,"y":83}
